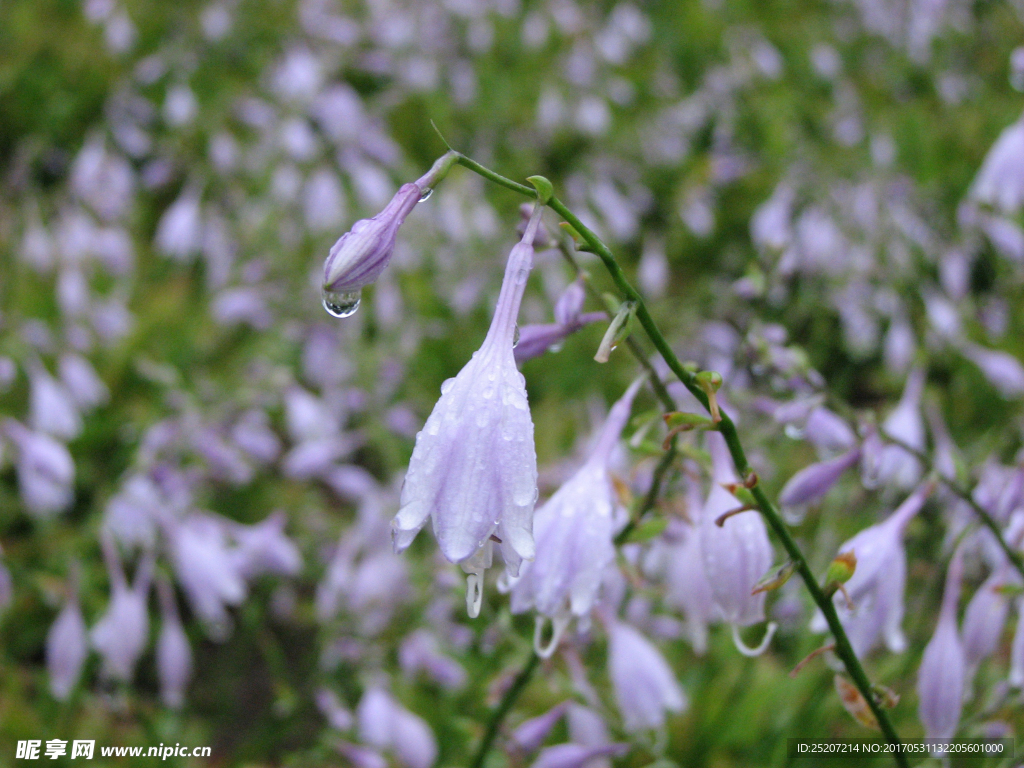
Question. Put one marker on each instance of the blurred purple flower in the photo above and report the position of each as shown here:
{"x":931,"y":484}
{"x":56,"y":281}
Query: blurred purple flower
{"x":51,"y":407}
{"x":385,"y":724}
{"x":535,"y":340}
{"x":1002,"y":369}
{"x":474,"y":467}
{"x":173,"y":651}
{"x":576,"y":755}
{"x":530,"y":735}
{"x":67,"y":646}
{"x":86,"y":388}
{"x":644,"y":685}
{"x":812,"y":483}
{"x":122,"y":632}
{"x":46,"y":472}
{"x":574,"y":531}
{"x":420,"y":651}
{"x":941,"y":677}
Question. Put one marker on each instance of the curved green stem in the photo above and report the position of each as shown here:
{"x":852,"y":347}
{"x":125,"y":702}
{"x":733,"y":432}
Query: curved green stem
{"x":498,"y":716}
{"x":980,"y":512}
{"x":844,"y":650}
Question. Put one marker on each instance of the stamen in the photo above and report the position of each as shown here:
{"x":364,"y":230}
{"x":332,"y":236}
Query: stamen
{"x":747,"y":650}
{"x":474,"y":593}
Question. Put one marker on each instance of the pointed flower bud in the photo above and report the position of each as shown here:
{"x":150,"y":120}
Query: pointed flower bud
{"x":895,"y":465}
{"x":574,"y":532}
{"x":473,"y":469}
{"x":985,"y":618}
{"x":811,"y":483}
{"x":940,"y":679}
{"x":645,"y":687}
{"x":529,"y":736}
{"x":362,"y":253}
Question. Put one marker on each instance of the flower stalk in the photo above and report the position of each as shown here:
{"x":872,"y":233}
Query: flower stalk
{"x":843,"y":649}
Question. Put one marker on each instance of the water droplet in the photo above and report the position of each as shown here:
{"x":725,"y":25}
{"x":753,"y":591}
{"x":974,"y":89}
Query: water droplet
{"x":793,"y":432}
{"x":446,"y":385}
{"x":426,"y":194}
{"x":557,"y":347}
{"x":515,"y":336}
{"x":341,"y":303}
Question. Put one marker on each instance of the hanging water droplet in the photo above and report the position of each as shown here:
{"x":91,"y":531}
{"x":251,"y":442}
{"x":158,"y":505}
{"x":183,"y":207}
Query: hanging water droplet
{"x":426,"y":194}
{"x":341,"y":303}
{"x":793,"y":432}
{"x":446,"y":385}
{"x":515,"y":336}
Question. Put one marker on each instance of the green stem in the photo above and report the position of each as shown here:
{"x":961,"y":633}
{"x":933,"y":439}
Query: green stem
{"x":844,"y":650}
{"x":498,"y":716}
{"x":982,"y":514}
{"x":651,"y":497}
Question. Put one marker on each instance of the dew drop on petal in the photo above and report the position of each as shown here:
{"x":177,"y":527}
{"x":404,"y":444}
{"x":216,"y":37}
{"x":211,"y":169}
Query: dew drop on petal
{"x":341,"y":303}
{"x":426,"y":194}
{"x":446,"y":385}
{"x":515,"y":336}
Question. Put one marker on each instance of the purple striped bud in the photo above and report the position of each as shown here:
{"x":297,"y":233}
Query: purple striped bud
{"x":576,"y":755}
{"x":473,"y":469}
{"x":173,"y":651}
{"x":530,"y":735}
{"x":940,"y":679}
{"x":67,"y":647}
{"x":736,"y":554}
{"x":362,"y":253}
{"x":811,"y":483}
{"x":645,"y":687}
{"x":574,"y":532}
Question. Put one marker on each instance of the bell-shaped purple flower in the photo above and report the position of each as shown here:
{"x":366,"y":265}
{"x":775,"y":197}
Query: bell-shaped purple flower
{"x":811,"y":483}
{"x":574,"y":532}
{"x":473,"y":470}
{"x":46,"y":472}
{"x":736,"y":554}
{"x":876,"y":587}
{"x":385,"y":724}
{"x":67,"y":647}
{"x":173,"y":651}
{"x":362,"y":253}
{"x":644,"y":685}
{"x":941,"y":677}
{"x":122,"y":632}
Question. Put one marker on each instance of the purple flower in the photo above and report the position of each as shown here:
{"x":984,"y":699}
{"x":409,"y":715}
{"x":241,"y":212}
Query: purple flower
{"x":811,"y":483}
{"x":51,"y":407}
{"x":984,"y":619}
{"x":419,"y":651}
{"x":876,"y":587}
{"x":574,"y":531}
{"x":535,"y":340}
{"x":576,"y":755}
{"x":474,"y":467}
{"x":122,"y":632}
{"x":645,"y":687}
{"x":1002,"y":369}
{"x":736,"y":554}
{"x":86,"y":388}
{"x":530,"y":735}
{"x":385,"y":724}
{"x":67,"y":647}
{"x":894,"y":465}
{"x":362,"y":253}
{"x":173,"y":652}
{"x":46,"y":472}
{"x":940,"y":679}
